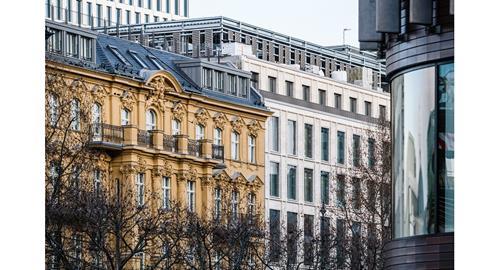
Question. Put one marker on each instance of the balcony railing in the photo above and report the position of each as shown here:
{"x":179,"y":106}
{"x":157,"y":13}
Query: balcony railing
{"x":194,"y":148}
{"x":145,"y":138}
{"x":104,"y":133}
{"x":217,"y":152}
{"x":170,"y":143}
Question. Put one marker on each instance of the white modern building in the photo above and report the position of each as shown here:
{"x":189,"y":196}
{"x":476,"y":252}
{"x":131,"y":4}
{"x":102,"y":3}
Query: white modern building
{"x":107,"y":13}
{"x":309,"y":138}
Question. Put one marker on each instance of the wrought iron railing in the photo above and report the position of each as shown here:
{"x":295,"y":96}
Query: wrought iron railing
{"x":104,"y":133}
{"x":217,"y":152}
{"x":194,"y":147}
{"x":170,"y":143}
{"x":145,"y":138}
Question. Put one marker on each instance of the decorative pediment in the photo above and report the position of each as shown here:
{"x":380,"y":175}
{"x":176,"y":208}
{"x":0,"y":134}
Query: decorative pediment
{"x":237,"y":124}
{"x":99,"y":94}
{"x":222,"y":177}
{"x":179,"y":111}
{"x":158,"y":85}
{"x":255,"y":182}
{"x":202,"y":116}
{"x":77,"y":85}
{"x":239,"y":178}
{"x":128,"y":100}
{"x":254,"y":127}
{"x":220,"y":120}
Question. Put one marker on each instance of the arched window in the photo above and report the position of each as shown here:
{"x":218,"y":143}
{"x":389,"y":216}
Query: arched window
{"x":175,"y":127}
{"x":151,"y":123}
{"x":53,"y":104}
{"x":217,"y":136}
{"x":199,"y":132}
{"x":75,"y":114}
{"x":125,"y":117}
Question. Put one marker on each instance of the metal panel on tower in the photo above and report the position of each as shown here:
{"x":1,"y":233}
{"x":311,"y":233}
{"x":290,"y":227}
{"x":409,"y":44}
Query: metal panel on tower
{"x":367,"y":21}
{"x":420,"y":12}
{"x":388,"y":16}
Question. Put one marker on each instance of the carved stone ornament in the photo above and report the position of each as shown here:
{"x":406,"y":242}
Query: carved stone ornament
{"x":223,"y":177}
{"x":55,"y":83}
{"x":141,"y":165}
{"x":202,"y":116}
{"x":99,"y":94}
{"x":157,"y":171}
{"x":103,"y":162}
{"x":167,"y":169}
{"x":207,"y":181}
{"x":237,"y":124}
{"x":128,"y":100}
{"x":220,"y":120}
{"x":254,"y":127}
{"x":179,"y":111}
{"x":128,"y":169}
{"x":158,"y":85}
{"x":155,"y":102}
{"x":77,"y":85}
{"x":192,"y":173}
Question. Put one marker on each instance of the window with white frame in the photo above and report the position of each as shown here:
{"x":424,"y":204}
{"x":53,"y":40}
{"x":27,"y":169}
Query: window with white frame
{"x":166,"y":192}
{"x":175,"y":127}
{"x":217,"y":136}
{"x":234,"y":204}
{"x":151,"y":120}
{"x":191,"y":196}
{"x":235,"y":146}
{"x":274,"y":134}
{"x":72,"y":45}
{"x":97,"y":180}
{"x":199,"y":132}
{"x":251,"y":149}
{"x":218,"y":202}
{"x":54,"y":173}
{"x":75,"y":114}
{"x":53,"y":103}
{"x":140,"y":183}
{"x":125,"y":115}
{"x":292,"y":137}
{"x":251,"y":203}
{"x":96,"y":119}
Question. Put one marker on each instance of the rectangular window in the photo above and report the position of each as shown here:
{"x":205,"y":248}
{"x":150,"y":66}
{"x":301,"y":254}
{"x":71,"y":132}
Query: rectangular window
{"x":356,"y":150}
{"x":72,"y":45}
{"x":149,"y":4}
{"x":218,"y":203}
{"x":232,"y":84}
{"x":325,"y":144}
{"x":341,"y":243}
{"x":292,"y":182}
{"x":175,"y":127}
{"x":274,"y":134}
{"x":356,"y":243}
{"x":48,"y":7}
{"x":89,"y":14}
{"x":308,"y":141}
{"x":325,"y":186}
{"x":185,"y":8}
{"x":159,"y":5}
{"x":69,"y":10}
{"x":289,"y":88}
{"x":353,"y":105}
{"x":147,"y":18}
{"x":292,"y":137}
{"x":254,"y":80}
{"x":140,"y":183}
{"x":234,"y":204}
{"x":75,"y":115}
{"x":86,"y":48}
{"x":272,"y":84}
{"x":177,"y":8}
{"x":274,"y":179}
{"x":235,"y":146}
{"x":217,"y":136}
{"x":119,"y":16}
{"x":292,"y":235}
{"x":308,"y":248}
{"x":368,"y":108}
{"x":140,"y":3}
{"x":243,"y":87}
{"x":251,"y":149}
{"x":79,"y":12}
{"x":191,"y":196}
{"x":356,"y":193}
{"x":340,"y":147}
{"x":251,"y":203}
{"x":127,"y":15}
{"x":137,"y":17}
{"x":308,"y":184}
{"x":275,"y":234}
{"x":340,"y":190}
{"x":382,"y":112}
{"x":168,"y":6}
{"x":371,"y":153}
{"x":218,"y":80}
{"x":166,"y":192}
{"x":338,"y":101}
{"x":99,"y":15}
{"x":325,"y":236}
{"x":322,"y":97}
{"x":306,"y":92}
{"x":109,"y":16}
{"x":59,"y":9}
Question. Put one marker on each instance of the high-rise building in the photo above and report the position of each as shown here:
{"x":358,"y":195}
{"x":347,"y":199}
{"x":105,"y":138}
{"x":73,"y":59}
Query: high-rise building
{"x":417,"y":40}
{"x":107,"y":13}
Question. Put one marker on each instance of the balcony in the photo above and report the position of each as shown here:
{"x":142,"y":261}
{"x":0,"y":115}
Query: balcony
{"x":194,"y":148}
{"x":106,"y":136}
{"x":217,"y":152}
{"x":170,"y":143}
{"x":145,"y":138}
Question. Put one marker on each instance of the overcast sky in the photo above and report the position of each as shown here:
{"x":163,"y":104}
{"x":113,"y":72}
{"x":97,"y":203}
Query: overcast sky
{"x":317,"y":21}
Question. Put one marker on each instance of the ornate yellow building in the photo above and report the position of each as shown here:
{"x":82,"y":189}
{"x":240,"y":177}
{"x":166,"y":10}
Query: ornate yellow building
{"x":185,"y":129}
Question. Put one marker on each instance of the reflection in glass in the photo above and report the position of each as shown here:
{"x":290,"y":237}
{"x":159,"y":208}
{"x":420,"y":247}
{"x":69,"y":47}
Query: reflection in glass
{"x":414,"y":131}
{"x":445,"y":143}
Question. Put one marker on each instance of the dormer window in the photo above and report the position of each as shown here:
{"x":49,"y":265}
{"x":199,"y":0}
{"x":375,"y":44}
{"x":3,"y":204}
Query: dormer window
{"x":207,"y":78}
{"x":243,"y":87}
{"x":135,"y":56}
{"x":155,"y":61}
{"x":232,"y":84}
{"x":118,"y":55}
